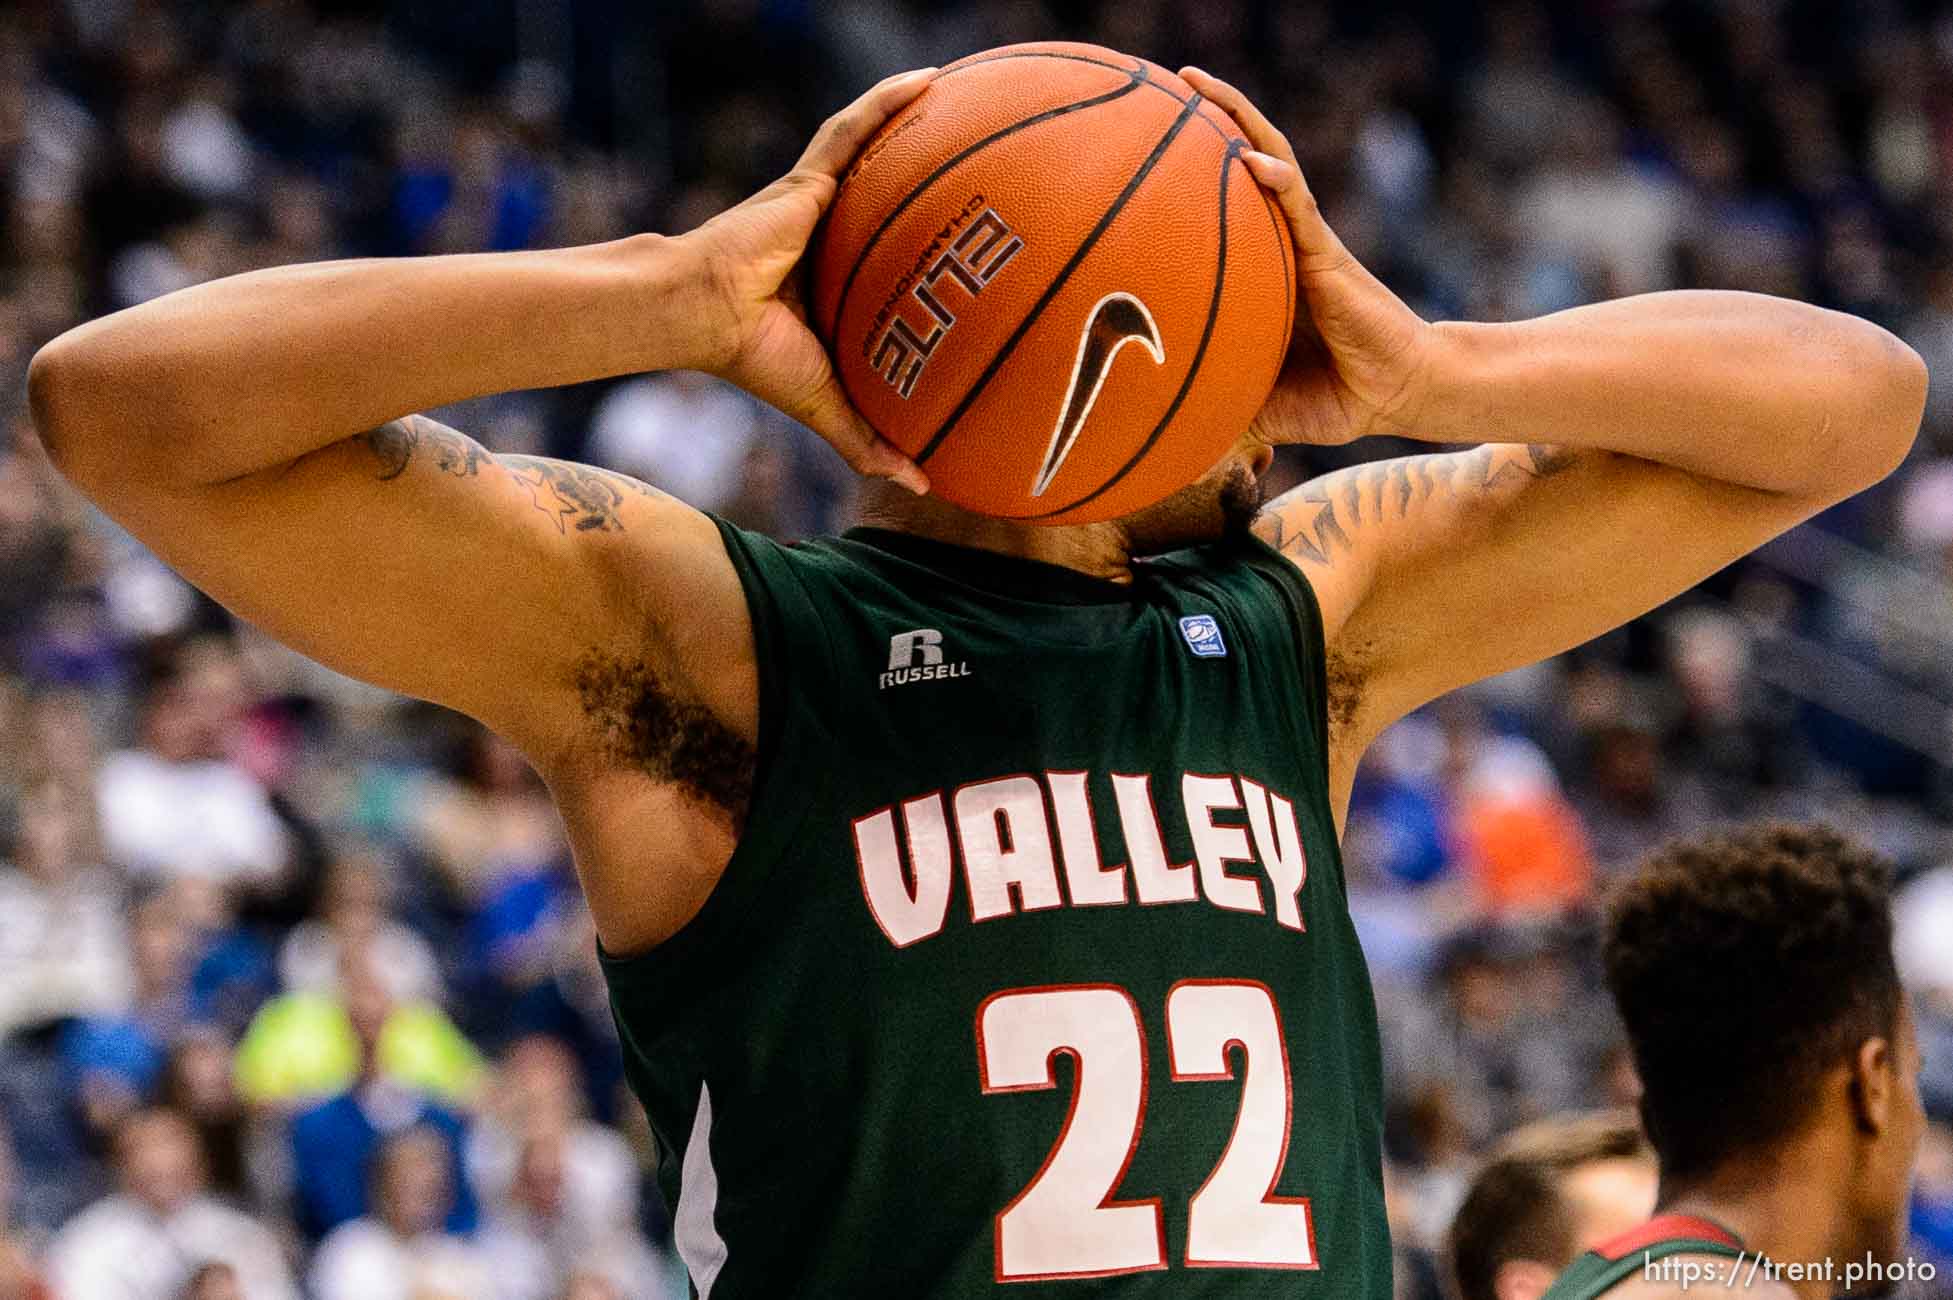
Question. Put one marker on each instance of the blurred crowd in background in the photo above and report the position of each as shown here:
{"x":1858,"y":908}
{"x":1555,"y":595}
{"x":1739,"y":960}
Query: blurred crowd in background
{"x":296,"y":992}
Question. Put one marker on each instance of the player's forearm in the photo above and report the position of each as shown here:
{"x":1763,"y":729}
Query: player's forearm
{"x":256,"y":370}
{"x":1749,"y":389}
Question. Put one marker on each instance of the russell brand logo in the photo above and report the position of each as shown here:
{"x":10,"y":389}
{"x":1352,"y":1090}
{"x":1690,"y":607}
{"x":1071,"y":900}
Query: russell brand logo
{"x":918,"y":657}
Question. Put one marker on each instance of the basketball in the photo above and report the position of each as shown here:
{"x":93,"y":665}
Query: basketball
{"x":1053,"y":282}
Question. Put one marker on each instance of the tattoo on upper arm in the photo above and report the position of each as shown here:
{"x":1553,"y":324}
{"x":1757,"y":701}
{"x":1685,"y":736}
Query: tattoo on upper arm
{"x":580,"y":497}
{"x":1309,"y":523}
{"x":392,"y":445}
{"x":395,"y":443}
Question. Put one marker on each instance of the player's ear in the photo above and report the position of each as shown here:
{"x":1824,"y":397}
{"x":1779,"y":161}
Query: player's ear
{"x":1874,"y":1085}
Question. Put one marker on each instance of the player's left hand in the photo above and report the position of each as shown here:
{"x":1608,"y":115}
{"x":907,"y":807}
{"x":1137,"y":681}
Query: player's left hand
{"x":1360,"y":360}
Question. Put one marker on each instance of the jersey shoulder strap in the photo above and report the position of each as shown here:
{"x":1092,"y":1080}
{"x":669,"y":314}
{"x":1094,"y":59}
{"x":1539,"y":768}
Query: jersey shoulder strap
{"x":1251,"y":578}
{"x":1615,"y":1260}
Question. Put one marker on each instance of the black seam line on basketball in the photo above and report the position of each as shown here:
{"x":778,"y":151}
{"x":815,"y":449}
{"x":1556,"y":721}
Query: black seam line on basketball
{"x":1285,"y":245}
{"x":1168,"y":91}
{"x":1200,"y":352}
{"x":1057,"y":283}
{"x":847,"y":285}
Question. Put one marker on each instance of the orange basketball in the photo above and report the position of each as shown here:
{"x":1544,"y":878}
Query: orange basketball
{"x":1054,"y":283}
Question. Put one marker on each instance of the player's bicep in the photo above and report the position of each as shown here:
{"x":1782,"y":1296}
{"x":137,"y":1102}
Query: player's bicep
{"x":1440,"y":570}
{"x":412,"y":558}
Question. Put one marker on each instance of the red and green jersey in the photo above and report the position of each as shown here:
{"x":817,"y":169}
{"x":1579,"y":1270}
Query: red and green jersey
{"x":1034,"y":968}
{"x":1642,"y":1250}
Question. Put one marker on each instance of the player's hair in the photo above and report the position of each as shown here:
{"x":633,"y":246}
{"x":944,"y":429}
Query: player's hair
{"x":1515,"y":1208}
{"x":1745,"y":966}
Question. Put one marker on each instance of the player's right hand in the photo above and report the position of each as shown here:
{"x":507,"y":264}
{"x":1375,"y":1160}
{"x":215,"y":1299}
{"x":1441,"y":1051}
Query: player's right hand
{"x":755,"y":325}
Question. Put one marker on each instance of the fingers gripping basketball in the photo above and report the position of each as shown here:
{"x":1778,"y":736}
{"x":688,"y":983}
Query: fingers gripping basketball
{"x":1052,"y":280}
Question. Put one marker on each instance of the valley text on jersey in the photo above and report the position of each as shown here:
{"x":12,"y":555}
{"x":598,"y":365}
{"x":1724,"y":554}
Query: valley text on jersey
{"x":1001,"y":832}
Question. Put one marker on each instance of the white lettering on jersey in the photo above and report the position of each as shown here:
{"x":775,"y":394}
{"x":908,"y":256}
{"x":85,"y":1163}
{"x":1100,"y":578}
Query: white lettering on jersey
{"x":1280,"y":849}
{"x":1002,"y":840}
{"x":1006,"y":843}
{"x":1216,"y":846}
{"x":905,"y":914}
{"x":1088,"y":881}
{"x":1156,"y":880}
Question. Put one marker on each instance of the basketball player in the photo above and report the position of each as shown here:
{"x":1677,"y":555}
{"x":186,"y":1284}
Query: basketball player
{"x":969,"y":891}
{"x":1754,"y":973}
{"x":1546,"y":1193}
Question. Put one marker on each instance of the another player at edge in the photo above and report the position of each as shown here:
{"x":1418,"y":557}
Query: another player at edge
{"x":1754,"y":972}
{"x":851,"y":931}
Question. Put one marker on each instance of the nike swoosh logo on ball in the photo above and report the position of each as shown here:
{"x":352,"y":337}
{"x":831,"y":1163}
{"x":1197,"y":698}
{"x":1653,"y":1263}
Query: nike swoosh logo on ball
{"x":1118,"y":319}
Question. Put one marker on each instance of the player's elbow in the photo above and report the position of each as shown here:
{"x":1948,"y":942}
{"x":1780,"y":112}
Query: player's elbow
{"x":57,"y":398}
{"x":67,"y":391}
{"x":1905,"y":383}
{"x":81,"y":403}
{"x":1889,"y":397}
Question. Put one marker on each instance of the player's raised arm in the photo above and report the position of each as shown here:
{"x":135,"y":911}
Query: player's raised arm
{"x":256,"y":433}
{"x":1633,"y":448}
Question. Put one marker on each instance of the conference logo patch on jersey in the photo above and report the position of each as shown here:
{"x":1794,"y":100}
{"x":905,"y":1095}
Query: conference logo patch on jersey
{"x":1203,"y":636}
{"x":917,"y":656}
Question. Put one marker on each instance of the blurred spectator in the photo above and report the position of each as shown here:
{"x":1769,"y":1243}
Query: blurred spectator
{"x":113,"y":1062}
{"x":1517,"y":97}
{"x":353,"y":915}
{"x":1615,"y":222}
{"x":1930,"y":330}
{"x":1497,"y":1040}
{"x":1521,"y":842}
{"x":33,"y":546}
{"x":683,"y":432}
{"x":537,"y":1091}
{"x":488,"y":821}
{"x":175,"y":806}
{"x":594,"y":1286}
{"x":398,"y":1251}
{"x":145,"y":1241}
{"x":63,"y":942}
{"x":20,"y":1277}
{"x":538,"y":1238}
{"x":197,"y":1084}
{"x":394,"y":1056}
{"x":1546,"y":1193}
{"x":308,"y":1045}
{"x":213,"y":1281}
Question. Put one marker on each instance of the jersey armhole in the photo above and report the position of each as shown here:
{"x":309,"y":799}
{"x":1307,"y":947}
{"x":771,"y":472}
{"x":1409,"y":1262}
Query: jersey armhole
{"x":1305,"y":617}
{"x":782,"y":644}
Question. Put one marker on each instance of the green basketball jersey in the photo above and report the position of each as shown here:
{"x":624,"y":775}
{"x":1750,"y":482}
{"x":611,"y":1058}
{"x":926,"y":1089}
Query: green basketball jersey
{"x":1647,"y":1251}
{"x":1034,"y":964}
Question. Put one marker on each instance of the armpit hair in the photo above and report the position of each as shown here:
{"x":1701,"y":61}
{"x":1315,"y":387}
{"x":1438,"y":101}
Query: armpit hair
{"x":644,"y":723}
{"x":1346,"y":671}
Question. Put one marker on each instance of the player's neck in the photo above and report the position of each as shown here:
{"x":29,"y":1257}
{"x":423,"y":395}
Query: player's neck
{"x":1785,"y":1209}
{"x":1100,"y":550}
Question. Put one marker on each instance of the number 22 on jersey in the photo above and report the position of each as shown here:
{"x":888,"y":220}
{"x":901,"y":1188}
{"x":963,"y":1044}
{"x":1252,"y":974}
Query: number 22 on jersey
{"x":1064,"y":1223}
